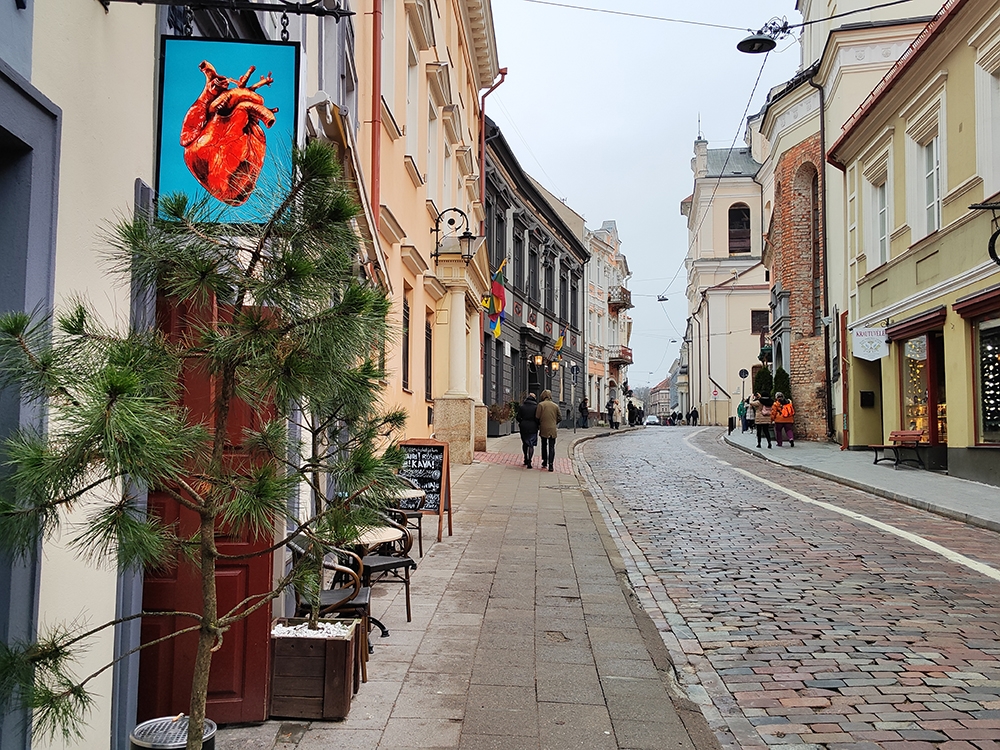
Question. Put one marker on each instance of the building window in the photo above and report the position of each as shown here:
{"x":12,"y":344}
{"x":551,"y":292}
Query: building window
{"x":881,"y":225}
{"x":988,"y":379}
{"x":412,"y":98}
{"x":932,"y":184}
{"x":926,"y":148}
{"x":433,"y":185}
{"x":388,"y":52}
{"x":498,"y":249}
{"x":574,"y":304}
{"x":428,"y":359}
{"x":533,"y":273}
{"x":563,"y":297}
{"x":759,"y":321}
{"x":518,"y":260}
{"x":550,"y":289}
{"x":739,"y":228}
{"x":405,"y":368}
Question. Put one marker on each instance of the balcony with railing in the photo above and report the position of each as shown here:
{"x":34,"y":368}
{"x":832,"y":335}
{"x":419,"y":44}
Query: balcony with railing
{"x":619,"y":298}
{"x":619,"y":355}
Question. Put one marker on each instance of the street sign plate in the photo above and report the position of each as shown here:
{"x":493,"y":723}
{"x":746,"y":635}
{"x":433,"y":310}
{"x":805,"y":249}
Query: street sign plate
{"x":575,"y":369}
{"x":744,"y":373}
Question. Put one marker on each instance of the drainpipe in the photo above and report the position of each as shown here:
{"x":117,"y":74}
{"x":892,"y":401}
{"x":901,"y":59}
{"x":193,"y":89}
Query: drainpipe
{"x":482,"y":147}
{"x":826,"y":275}
{"x":376,"y":192}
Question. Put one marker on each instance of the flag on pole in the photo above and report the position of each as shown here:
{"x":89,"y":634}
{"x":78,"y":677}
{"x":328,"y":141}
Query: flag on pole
{"x":560,"y":341}
{"x":496,"y":301}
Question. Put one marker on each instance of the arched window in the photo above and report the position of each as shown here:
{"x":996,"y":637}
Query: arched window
{"x":739,"y":228}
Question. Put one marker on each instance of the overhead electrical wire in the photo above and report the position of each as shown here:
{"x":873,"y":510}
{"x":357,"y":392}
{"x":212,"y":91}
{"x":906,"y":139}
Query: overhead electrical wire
{"x":688,"y":22}
{"x":638,"y":15}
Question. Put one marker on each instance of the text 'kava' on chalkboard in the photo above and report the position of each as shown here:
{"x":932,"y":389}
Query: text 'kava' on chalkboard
{"x":424,"y":465}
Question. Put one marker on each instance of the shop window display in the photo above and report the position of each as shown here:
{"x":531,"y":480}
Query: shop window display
{"x":988,"y":379}
{"x":924,"y":402}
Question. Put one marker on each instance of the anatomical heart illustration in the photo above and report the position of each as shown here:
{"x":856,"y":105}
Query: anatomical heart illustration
{"x":224,"y":143}
{"x":228,"y":121}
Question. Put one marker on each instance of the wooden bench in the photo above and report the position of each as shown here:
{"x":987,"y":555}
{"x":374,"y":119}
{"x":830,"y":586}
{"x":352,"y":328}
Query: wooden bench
{"x":899,"y":442}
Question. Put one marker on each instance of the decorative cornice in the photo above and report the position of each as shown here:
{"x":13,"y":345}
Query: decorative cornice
{"x":483,"y":43}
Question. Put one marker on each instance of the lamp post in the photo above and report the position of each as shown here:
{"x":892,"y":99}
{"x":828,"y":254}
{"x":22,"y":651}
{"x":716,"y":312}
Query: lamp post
{"x":455,"y":237}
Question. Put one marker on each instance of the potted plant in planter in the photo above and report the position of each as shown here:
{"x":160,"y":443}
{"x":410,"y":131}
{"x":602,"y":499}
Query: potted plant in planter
{"x":498,"y":420}
{"x":287,"y":433}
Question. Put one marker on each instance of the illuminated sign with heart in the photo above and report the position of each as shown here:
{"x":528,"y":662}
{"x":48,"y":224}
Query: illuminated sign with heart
{"x":223,"y":134}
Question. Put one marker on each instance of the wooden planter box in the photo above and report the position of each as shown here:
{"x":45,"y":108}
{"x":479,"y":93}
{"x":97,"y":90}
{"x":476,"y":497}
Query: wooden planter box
{"x":313,"y":678}
{"x":497,"y":429}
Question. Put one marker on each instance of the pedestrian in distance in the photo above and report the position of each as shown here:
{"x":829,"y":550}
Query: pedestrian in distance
{"x":630,"y":410}
{"x":762,"y":406}
{"x":610,"y":409}
{"x":527,"y":422}
{"x":616,"y":415}
{"x":584,"y":413}
{"x":548,"y":415}
{"x":784,"y":414}
{"x":741,"y":412}
{"x":693,"y":416}
{"x":751,"y":415}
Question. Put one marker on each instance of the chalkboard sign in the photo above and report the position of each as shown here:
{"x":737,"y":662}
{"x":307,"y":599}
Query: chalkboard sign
{"x":426,"y":464}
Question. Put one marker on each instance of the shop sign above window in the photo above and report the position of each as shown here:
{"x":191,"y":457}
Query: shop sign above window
{"x":870,"y":343}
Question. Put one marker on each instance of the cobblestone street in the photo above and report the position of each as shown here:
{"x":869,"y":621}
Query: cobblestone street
{"x":801,"y":613}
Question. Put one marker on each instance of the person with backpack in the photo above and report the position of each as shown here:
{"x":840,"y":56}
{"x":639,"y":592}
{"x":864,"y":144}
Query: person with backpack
{"x":741,"y":412}
{"x":783,"y":414}
{"x":763,"y":406}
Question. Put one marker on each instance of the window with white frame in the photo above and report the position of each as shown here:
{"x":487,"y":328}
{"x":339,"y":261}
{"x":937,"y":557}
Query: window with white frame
{"x":432,"y":150}
{"x":412,"y":97}
{"x":876,"y":168}
{"x":926,"y":158}
{"x":878,"y":225}
{"x":388,"y":52}
{"x":986,"y":41}
{"x":932,"y":185}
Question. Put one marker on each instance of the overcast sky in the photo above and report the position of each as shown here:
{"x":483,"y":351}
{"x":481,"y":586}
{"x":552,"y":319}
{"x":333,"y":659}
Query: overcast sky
{"x":603,"y":110}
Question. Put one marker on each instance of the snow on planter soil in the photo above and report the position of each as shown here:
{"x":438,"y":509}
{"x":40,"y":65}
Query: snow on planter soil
{"x":325,"y":630}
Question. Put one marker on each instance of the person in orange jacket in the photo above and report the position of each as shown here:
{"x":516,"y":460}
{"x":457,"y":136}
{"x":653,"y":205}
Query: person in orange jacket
{"x":783,"y":414}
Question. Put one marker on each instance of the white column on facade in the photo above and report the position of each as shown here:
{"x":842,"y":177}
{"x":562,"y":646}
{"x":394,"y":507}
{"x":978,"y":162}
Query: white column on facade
{"x":458,"y":355}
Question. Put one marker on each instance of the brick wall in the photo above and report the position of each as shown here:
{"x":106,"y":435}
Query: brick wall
{"x":792,"y":263}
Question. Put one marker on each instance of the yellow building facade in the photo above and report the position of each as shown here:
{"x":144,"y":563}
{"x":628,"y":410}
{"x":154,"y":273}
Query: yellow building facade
{"x":426,"y":65}
{"x":921,"y":180}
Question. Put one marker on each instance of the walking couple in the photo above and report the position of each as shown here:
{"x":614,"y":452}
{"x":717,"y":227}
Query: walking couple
{"x":539,"y":419}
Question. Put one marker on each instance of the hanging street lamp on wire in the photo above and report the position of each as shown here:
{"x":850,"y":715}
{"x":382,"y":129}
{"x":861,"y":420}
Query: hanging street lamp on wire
{"x":766,"y":38}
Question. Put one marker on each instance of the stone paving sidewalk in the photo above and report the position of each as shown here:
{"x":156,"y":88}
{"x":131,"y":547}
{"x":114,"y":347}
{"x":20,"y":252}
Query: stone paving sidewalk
{"x":524,"y":635}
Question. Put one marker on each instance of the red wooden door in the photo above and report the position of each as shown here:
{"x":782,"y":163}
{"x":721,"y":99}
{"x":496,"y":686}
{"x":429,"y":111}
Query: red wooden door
{"x":238,"y":684}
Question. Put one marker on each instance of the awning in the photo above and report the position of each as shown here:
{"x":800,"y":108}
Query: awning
{"x":984,"y":301}
{"x":917,"y":324}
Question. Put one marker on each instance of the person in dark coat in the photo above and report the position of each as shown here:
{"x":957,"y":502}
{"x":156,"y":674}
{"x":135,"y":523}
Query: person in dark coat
{"x":527,"y":423}
{"x":584,"y":413}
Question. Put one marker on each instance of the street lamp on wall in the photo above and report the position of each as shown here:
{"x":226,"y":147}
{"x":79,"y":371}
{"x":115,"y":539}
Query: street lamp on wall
{"x":554,"y":365}
{"x":455,"y":237}
{"x":539,"y":359}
